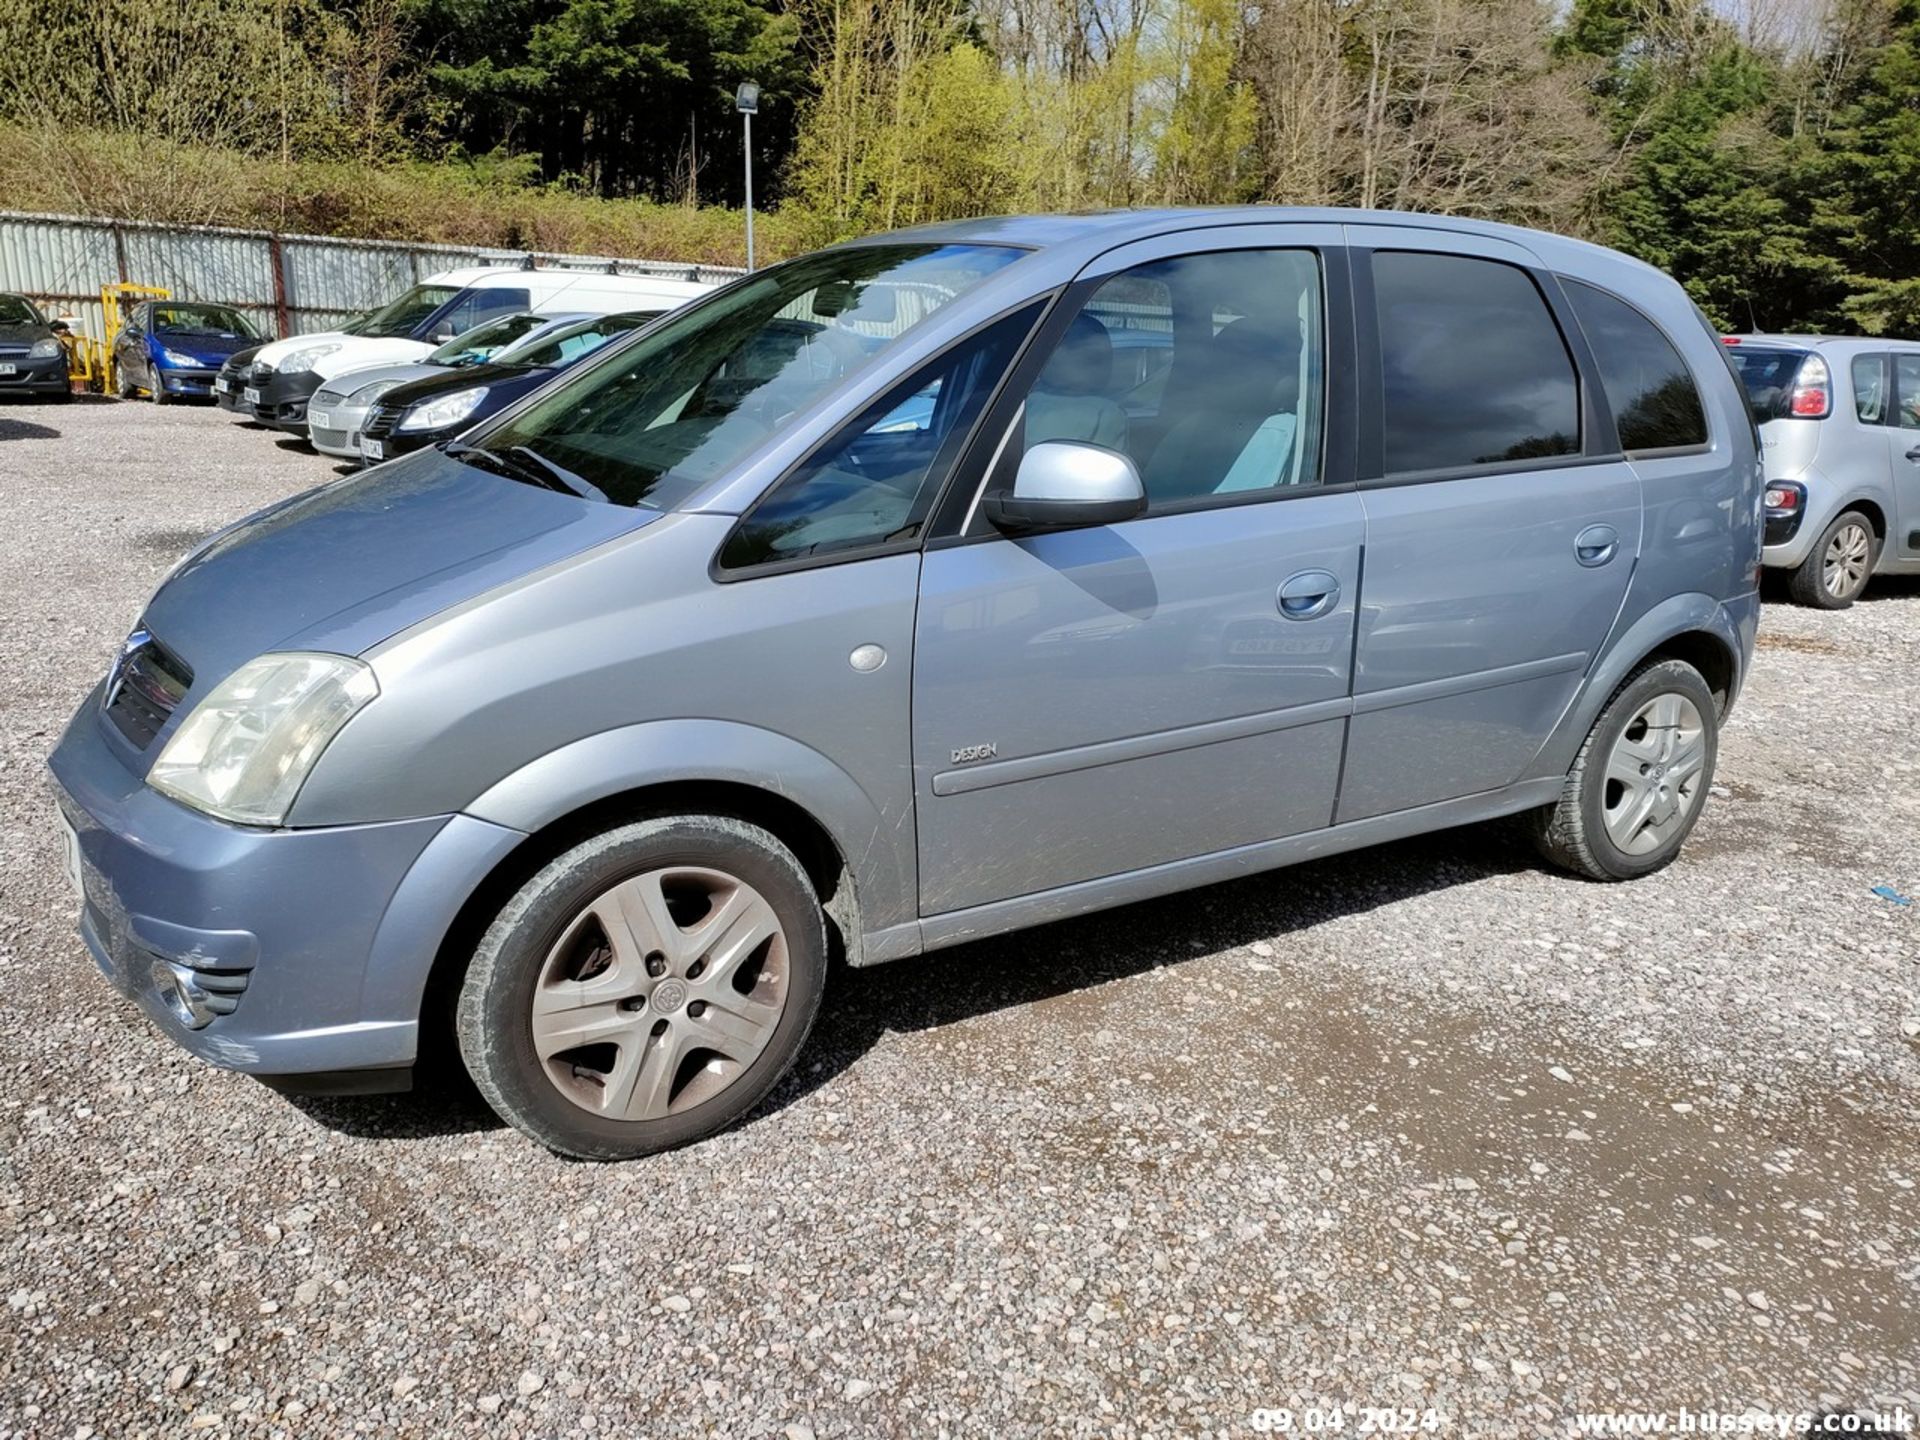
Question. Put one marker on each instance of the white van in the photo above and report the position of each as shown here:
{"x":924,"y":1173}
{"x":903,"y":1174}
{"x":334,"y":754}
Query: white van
{"x":283,"y":375}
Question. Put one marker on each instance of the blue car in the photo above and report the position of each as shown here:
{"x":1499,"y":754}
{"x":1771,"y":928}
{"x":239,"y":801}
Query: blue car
{"x":175,"y":348}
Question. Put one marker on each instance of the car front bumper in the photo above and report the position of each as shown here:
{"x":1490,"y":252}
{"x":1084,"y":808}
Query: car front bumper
{"x":47,"y":376}
{"x":177,"y":381}
{"x":340,"y":436}
{"x":275,"y":952}
{"x":282,"y":401}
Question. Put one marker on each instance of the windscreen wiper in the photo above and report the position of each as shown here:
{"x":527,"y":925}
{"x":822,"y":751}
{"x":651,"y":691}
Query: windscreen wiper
{"x":558,"y":476}
{"x":520,"y":463}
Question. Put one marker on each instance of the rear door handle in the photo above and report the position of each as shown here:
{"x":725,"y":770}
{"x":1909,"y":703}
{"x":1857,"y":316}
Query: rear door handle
{"x":1309,"y":595}
{"x":1914,"y":454}
{"x":1596,"y":545}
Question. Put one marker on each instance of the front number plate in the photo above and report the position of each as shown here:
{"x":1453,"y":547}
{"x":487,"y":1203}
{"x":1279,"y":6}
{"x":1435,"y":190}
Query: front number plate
{"x":250,"y":395}
{"x":70,"y":852}
{"x":8,"y":368}
{"x":222,"y":386}
{"x":320,"y":419}
{"x":373,"y":449}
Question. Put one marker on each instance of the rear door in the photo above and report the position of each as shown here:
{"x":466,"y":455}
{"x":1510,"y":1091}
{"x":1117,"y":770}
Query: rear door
{"x":1903,"y":527}
{"x":1502,"y":521}
{"x":1097,"y":701}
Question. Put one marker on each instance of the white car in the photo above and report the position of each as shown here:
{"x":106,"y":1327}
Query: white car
{"x":284,"y":374}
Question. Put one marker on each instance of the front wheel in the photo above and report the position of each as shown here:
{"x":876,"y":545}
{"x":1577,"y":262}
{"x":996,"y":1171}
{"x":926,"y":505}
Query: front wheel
{"x":1834,"y":574}
{"x":647,"y":988}
{"x":1639,"y":782}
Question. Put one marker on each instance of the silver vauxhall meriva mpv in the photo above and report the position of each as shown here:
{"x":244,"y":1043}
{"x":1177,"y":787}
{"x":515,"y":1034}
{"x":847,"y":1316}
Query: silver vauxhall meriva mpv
{"x":931,"y":586}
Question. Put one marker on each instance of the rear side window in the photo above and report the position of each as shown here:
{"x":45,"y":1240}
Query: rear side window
{"x":1906,"y":374}
{"x":1475,"y":370}
{"x":1870,"y":389}
{"x":1656,"y":405}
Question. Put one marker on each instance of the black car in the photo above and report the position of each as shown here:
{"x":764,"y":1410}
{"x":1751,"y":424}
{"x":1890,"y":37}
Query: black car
{"x":32,"y":359}
{"x":425,"y":412}
{"x":231,"y":382}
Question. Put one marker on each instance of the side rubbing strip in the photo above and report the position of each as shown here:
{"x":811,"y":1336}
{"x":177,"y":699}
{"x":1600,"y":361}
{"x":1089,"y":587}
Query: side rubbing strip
{"x":1135,"y":747}
{"x":1460,"y":684}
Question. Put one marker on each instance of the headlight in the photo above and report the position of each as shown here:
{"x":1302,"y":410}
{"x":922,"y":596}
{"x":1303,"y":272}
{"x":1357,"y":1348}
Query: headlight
{"x":446,"y":410}
{"x":246,"y":750}
{"x":44,"y":349}
{"x":295,"y":361}
{"x":174,"y":357}
{"x":367,"y":394}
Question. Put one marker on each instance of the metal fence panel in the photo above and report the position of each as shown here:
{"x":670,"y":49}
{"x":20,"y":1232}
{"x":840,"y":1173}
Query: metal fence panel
{"x":293,"y":284}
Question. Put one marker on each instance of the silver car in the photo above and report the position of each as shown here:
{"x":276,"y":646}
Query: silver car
{"x":340,"y":406}
{"x":885,"y":600}
{"x":1840,"y":438}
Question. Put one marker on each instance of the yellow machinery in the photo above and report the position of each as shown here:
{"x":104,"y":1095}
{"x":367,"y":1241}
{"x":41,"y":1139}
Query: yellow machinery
{"x":90,"y":361}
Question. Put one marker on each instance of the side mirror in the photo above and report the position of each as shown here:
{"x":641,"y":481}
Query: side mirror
{"x":443,"y":334}
{"x":1062,"y":484}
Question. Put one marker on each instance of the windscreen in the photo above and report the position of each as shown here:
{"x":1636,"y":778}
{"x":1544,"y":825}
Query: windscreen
{"x":17,"y":310}
{"x":404,"y":315}
{"x":1767,"y":374}
{"x":484,"y":342}
{"x":200,"y":320}
{"x":693,"y":397}
{"x":564,"y":346}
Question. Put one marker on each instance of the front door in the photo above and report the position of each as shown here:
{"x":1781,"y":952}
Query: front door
{"x":1500,"y":539}
{"x":1097,"y":701}
{"x":1903,"y":527}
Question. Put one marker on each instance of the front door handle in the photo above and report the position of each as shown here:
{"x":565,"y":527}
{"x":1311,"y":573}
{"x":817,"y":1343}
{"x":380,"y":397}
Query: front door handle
{"x":1596,"y":545}
{"x":1309,"y":595}
{"x":1914,"y":453}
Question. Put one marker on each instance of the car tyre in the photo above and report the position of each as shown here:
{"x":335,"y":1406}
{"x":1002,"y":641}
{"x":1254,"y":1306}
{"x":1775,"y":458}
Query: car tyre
{"x":123,"y":387}
{"x":646,"y":988}
{"x":157,"y":387}
{"x":1836,"y":570}
{"x":1640,"y":780}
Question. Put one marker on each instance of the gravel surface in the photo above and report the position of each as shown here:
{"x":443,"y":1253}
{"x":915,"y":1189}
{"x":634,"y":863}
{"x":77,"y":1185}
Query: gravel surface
{"x":1422,"y":1126}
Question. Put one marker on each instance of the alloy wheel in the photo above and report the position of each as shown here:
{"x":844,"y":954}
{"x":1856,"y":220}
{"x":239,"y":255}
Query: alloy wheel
{"x":1843,"y":569}
{"x":661,"y":993}
{"x":1653,"y":775}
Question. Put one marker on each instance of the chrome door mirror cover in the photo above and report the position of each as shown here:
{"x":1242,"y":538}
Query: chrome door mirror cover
{"x":1064,"y":484}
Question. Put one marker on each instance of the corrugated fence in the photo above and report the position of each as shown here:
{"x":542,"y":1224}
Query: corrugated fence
{"x":287,"y":284}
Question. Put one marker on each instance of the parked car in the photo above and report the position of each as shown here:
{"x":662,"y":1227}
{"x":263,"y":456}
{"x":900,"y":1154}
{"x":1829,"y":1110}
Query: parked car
{"x":609,"y":721}
{"x":427,"y":411}
{"x":32,"y":359}
{"x":339,"y":407}
{"x":1840,"y":436}
{"x":173,"y":349}
{"x":230,"y":384}
{"x":285,"y":375}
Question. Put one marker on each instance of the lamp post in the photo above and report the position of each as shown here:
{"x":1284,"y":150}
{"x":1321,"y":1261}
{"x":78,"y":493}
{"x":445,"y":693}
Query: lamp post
{"x":747,"y":101}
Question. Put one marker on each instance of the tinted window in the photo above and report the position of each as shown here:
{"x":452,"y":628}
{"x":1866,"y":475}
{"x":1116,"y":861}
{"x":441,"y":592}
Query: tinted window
{"x":478,"y":307}
{"x":1655,"y":404}
{"x":1767,"y":375}
{"x":1205,"y":369}
{"x":709,"y":385}
{"x":1906,"y":380}
{"x":876,"y":480}
{"x":1475,"y":370}
{"x":18,"y":310}
{"x":1870,"y":389}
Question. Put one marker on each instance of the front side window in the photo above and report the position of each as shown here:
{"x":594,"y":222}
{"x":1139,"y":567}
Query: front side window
{"x":1475,"y":369}
{"x":1906,"y":384}
{"x":483,"y":342}
{"x":1870,"y":389}
{"x":1655,"y":404}
{"x":481,"y":307}
{"x":874,"y":483}
{"x":1205,"y":370}
{"x":691,"y":399}
{"x":404,"y":314}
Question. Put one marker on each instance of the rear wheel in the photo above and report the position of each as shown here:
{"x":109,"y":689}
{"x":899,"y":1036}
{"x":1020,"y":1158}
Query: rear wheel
{"x":1639,"y":782}
{"x":647,"y":988}
{"x":1834,"y":574}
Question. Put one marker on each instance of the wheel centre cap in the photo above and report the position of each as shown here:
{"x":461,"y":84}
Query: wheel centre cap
{"x":669,"y":996}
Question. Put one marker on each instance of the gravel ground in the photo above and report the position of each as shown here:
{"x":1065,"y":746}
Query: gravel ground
{"x":1424,"y":1126}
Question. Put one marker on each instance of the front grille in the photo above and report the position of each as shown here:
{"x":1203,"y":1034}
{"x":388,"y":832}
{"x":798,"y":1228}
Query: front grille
{"x":145,"y":691}
{"x":380,"y":421}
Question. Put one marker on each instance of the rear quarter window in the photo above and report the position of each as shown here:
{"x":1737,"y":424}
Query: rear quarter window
{"x":1655,"y":402}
